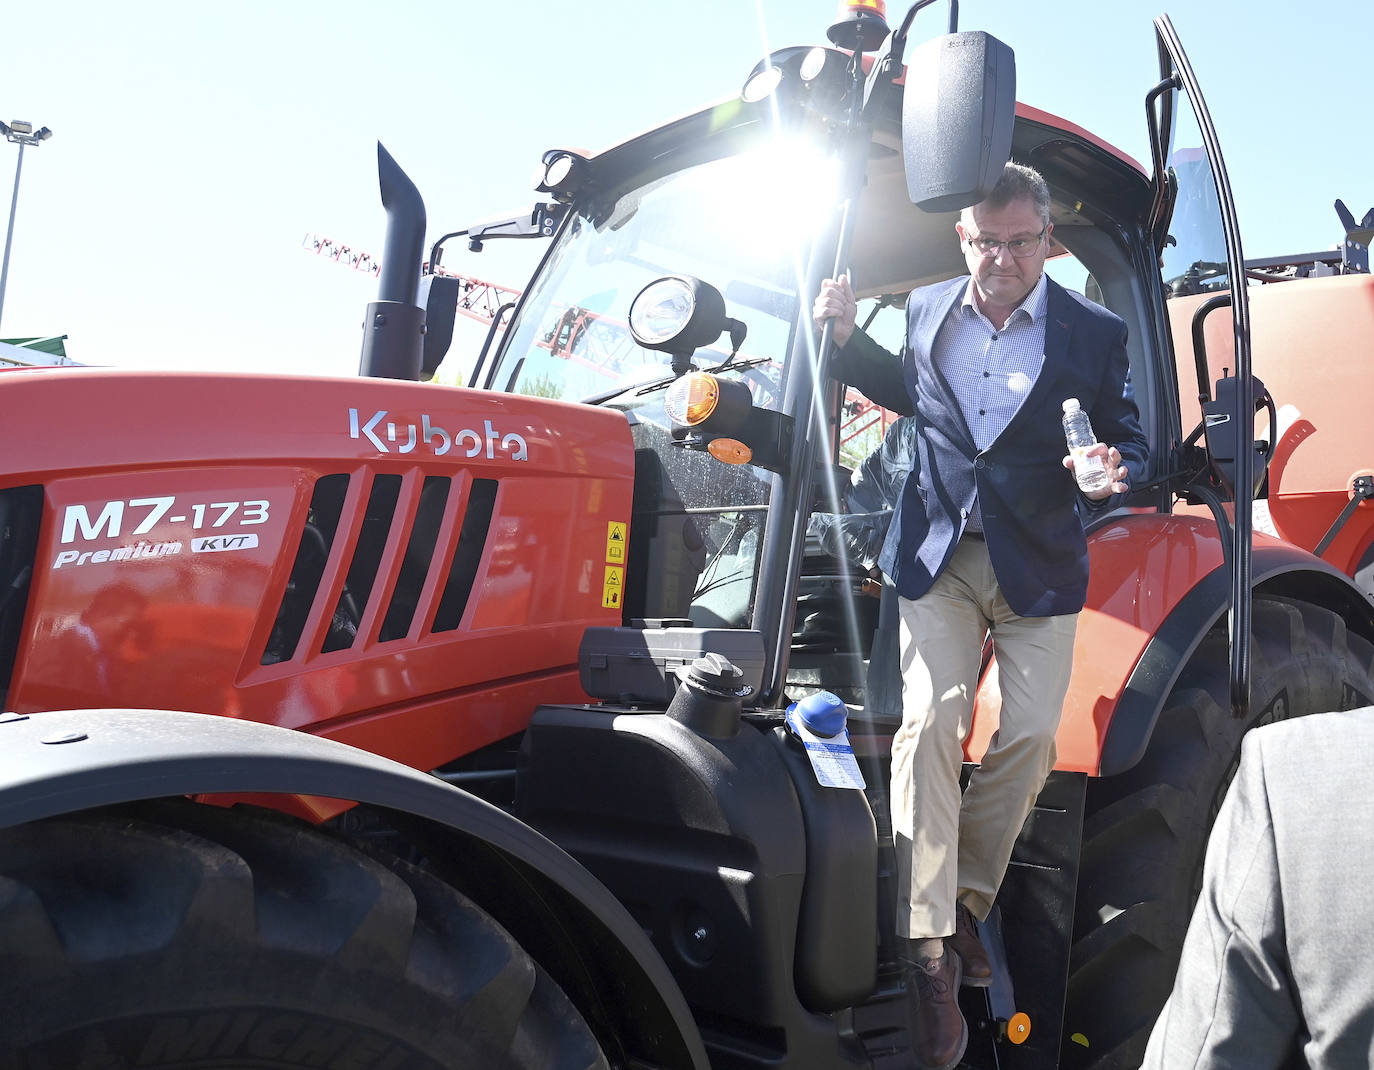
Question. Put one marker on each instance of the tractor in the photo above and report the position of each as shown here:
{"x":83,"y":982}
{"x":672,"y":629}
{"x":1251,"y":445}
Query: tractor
{"x":369,"y":724}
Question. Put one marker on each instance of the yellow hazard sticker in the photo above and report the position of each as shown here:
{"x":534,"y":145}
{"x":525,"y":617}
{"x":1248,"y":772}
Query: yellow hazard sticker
{"x":612,"y":588}
{"x":615,"y":542}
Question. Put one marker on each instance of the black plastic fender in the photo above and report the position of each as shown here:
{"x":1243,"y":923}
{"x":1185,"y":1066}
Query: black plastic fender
{"x":1278,"y":569}
{"x":60,"y":762}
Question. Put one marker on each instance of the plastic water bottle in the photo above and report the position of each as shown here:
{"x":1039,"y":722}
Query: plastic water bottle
{"x":1091,"y":472}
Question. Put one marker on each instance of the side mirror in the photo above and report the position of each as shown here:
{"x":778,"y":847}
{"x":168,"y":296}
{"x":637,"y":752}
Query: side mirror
{"x":958,"y":109}
{"x":439,"y":295}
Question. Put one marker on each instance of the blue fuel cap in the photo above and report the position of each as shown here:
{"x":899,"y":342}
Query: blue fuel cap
{"x":823,"y":714}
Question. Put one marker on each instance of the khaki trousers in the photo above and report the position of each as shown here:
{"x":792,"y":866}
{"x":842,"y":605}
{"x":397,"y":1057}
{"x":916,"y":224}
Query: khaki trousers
{"x":950,"y":848}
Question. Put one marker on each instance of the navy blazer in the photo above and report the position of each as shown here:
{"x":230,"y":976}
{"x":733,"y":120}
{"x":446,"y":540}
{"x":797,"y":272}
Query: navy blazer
{"x":1029,"y":501}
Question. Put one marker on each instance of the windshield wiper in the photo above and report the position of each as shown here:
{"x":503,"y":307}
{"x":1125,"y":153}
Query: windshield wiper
{"x":668,"y":380}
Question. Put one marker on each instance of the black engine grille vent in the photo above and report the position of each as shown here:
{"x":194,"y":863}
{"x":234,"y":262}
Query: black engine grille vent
{"x":362,"y":570}
{"x":317,"y":540}
{"x":383,"y":511}
{"x":419,"y":556}
{"x":467,"y":555}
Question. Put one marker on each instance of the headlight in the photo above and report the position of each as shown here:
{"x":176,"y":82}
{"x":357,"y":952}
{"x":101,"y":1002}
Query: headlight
{"x":678,"y":315}
{"x":661,"y":311}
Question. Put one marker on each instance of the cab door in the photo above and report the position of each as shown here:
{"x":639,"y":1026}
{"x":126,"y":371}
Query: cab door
{"x":1203,"y":270}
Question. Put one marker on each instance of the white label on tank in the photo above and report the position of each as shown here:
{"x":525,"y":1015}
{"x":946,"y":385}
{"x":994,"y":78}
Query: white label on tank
{"x":834,"y":764}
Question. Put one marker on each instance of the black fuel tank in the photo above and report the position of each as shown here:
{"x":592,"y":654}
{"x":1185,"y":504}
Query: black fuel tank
{"x":705,"y":841}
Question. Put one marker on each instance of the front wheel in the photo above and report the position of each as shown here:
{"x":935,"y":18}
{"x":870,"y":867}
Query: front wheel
{"x":177,"y":935}
{"x":1145,"y":831}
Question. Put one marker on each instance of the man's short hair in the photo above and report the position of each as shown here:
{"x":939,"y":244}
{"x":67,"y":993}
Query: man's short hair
{"x":1019,"y":182}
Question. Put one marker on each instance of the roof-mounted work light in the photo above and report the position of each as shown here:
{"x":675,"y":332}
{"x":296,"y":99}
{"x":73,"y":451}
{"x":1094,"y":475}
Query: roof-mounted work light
{"x":803,"y":80}
{"x":562,"y":173}
{"x":761,"y":84}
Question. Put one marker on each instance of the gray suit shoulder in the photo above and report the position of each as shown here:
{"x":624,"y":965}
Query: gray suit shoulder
{"x":1343,"y":739}
{"x":1356,"y":723}
{"x":1279,"y":956}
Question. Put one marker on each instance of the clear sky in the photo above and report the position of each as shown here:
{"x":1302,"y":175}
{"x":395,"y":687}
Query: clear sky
{"x":194,"y":145}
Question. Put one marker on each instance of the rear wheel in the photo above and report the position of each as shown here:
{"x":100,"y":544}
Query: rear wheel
{"x":177,"y":935}
{"x":1145,"y":831}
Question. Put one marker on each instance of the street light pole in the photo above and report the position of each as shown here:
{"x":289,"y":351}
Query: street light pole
{"x":21,"y":134}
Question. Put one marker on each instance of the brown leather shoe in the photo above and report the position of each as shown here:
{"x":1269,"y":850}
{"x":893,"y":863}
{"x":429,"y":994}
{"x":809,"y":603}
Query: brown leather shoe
{"x":939,"y":1033}
{"x":965,"y":942}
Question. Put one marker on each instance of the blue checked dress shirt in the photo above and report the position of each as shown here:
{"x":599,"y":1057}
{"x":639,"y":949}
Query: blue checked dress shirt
{"x":991,"y":371}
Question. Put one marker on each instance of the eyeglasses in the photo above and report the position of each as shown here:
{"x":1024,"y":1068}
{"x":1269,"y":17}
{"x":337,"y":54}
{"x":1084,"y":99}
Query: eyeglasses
{"x":1018,"y":247}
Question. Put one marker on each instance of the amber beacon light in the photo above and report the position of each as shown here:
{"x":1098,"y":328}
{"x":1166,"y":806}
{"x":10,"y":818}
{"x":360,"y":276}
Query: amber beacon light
{"x":860,"y":26}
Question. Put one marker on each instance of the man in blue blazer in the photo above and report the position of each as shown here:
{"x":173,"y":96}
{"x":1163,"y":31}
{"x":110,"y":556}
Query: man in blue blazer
{"x":987,"y":539}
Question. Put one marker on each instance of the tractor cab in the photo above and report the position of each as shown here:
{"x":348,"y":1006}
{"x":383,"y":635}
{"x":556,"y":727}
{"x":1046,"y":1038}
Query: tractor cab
{"x":816,"y":169}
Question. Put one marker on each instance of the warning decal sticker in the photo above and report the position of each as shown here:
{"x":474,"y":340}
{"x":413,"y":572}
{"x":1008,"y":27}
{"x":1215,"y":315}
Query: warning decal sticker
{"x":612,"y":587}
{"x":615,"y":542}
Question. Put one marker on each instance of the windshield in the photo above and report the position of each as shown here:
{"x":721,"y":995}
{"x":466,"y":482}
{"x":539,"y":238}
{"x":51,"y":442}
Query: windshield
{"x":742,"y":224}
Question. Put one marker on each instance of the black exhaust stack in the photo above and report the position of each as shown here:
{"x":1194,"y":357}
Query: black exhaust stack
{"x":393,"y":333}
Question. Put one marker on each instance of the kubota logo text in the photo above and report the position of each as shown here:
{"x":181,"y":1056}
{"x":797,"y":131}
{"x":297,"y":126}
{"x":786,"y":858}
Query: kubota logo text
{"x":379,"y":431}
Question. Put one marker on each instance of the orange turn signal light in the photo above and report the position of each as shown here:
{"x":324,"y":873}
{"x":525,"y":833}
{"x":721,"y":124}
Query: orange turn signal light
{"x":729,"y":450}
{"x":691,"y":400}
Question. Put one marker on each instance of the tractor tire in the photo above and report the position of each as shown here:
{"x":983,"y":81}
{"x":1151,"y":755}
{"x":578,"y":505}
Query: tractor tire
{"x":179,"y":935}
{"x":1145,"y":831}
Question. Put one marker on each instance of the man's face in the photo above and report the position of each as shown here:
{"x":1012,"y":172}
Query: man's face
{"x":1003,"y":279}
